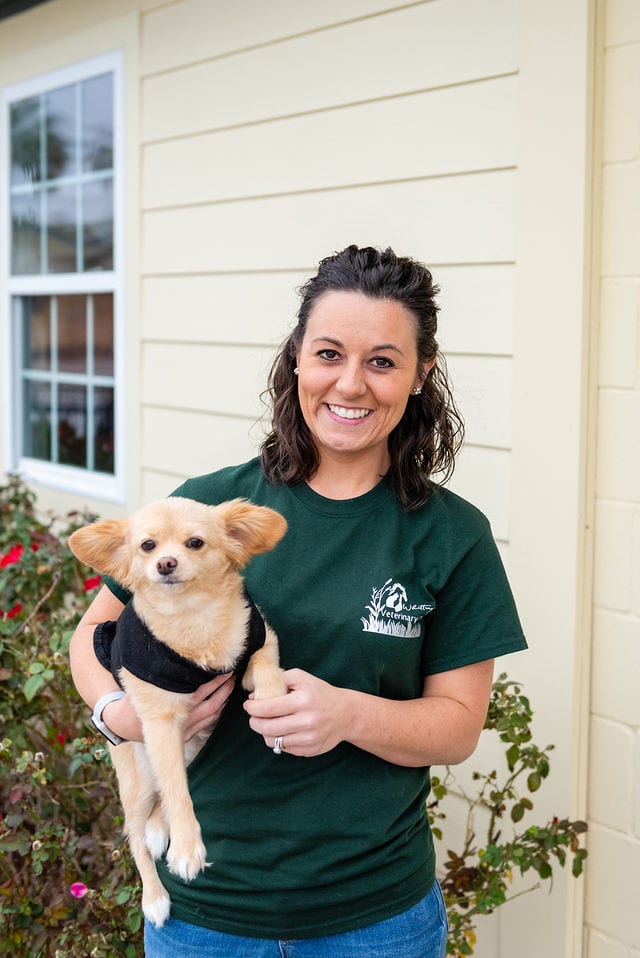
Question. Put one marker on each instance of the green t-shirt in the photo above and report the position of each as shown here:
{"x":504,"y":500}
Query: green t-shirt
{"x":367,"y":596}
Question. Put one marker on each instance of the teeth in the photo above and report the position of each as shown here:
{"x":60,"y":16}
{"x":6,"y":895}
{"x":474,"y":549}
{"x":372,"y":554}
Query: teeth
{"x":345,"y":413}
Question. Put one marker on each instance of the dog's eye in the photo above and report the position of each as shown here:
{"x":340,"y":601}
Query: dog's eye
{"x":194,"y":543}
{"x":148,"y":545}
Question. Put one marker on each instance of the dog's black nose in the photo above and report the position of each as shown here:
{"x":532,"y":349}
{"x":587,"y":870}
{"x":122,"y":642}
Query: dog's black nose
{"x":166,"y":565}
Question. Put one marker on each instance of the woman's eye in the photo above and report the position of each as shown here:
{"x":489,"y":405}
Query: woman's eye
{"x":328,"y":354}
{"x":194,"y":543}
{"x":148,"y":545}
{"x":381,"y":362}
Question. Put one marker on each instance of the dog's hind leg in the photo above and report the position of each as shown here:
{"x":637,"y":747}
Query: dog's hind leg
{"x":138,"y":796}
{"x":163,"y":715}
{"x":156,"y":832}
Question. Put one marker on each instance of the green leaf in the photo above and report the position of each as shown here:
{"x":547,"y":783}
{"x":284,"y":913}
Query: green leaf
{"x":517,"y":812}
{"x":32,"y":686}
{"x":534,"y":781}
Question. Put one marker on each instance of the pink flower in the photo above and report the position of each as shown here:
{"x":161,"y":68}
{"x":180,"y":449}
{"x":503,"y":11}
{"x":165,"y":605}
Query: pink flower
{"x":78,"y":889}
{"x":92,"y":583}
{"x":12,"y":556}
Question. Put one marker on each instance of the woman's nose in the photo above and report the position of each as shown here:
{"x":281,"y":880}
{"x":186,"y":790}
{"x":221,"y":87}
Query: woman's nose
{"x":351,"y":381}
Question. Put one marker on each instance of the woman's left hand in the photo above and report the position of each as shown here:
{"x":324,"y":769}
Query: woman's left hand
{"x":310,"y":720}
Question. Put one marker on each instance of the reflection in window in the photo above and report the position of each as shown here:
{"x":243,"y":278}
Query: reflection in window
{"x":68,"y":385}
{"x":72,"y":425}
{"x":37,"y":426}
{"x":60,"y":199}
{"x":62,"y":179}
{"x":72,"y":333}
{"x":103,"y":335}
{"x":36,"y":330}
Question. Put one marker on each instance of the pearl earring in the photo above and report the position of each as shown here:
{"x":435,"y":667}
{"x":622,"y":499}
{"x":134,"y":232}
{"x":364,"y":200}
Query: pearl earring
{"x":416,"y":391}
{"x":296,"y":371}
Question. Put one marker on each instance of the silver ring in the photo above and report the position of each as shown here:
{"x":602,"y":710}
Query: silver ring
{"x":277,"y":745}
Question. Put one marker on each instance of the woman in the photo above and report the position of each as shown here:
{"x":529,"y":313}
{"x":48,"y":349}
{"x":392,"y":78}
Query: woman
{"x":390,"y":603}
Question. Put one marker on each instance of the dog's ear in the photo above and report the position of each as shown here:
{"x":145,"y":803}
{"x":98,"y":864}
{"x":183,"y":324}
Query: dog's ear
{"x":250,"y":529}
{"x":103,"y":546}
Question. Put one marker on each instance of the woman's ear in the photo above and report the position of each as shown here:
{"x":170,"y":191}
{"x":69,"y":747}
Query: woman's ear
{"x":424,"y":369}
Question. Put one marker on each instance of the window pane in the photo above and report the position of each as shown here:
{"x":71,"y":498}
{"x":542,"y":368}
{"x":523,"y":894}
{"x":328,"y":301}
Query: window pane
{"x":97,"y":123}
{"x":25,"y":233}
{"x":72,"y":334}
{"x":37,"y":420}
{"x":72,"y":425}
{"x":103,"y":334}
{"x":25,"y":141}
{"x":97,"y":215}
{"x":61,"y":232}
{"x":60,"y":106}
{"x":36,"y":332}
{"x":103,"y":440}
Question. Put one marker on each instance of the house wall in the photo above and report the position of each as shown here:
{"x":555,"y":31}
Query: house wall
{"x":263,"y":136}
{"x":614,"y":786}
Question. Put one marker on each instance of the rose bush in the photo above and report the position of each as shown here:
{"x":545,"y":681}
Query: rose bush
{"x":67,"y":885}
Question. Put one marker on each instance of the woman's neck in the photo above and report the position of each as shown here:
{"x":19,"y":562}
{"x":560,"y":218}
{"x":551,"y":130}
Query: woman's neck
{"x":346,"y":479}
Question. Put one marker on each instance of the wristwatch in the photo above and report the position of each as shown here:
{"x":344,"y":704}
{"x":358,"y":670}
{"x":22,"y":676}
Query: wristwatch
{"x":99,"y":722}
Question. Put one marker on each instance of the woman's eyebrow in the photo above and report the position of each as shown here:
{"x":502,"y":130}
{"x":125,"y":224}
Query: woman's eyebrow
{"x":336,"y":342}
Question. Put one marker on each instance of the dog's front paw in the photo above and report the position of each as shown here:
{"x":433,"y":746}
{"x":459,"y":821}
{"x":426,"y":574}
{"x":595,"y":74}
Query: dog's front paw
{"x":186,"y":860}
{"x":269,"y":685}
{"x":156,"y":909}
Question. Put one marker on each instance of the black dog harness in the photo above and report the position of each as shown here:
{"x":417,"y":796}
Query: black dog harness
{"x":129,"y":644}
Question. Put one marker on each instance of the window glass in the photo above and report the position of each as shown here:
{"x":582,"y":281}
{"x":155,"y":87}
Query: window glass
{"x":25,"y":141}
{"x":62,"y":179}
{"x":97,"y":217}
{"x":97,"y":123}
{"x":60,"y":113}
{"x":72,"y":334}
{"x":36,"y":329}
{"x":26,"y":233}
{"x":37,"y":416}
{"x":61,"y":204}
{"x":61,"y":233}
{"x":104,"y":432}
{"x":72,"y":425}
{"x":103,"y":335}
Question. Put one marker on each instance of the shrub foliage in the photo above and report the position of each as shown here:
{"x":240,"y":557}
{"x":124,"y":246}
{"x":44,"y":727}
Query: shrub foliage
{"x":67,"y":883}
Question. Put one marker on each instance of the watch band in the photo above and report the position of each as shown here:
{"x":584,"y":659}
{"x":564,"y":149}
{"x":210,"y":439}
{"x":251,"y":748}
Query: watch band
{"x":99,"y":722}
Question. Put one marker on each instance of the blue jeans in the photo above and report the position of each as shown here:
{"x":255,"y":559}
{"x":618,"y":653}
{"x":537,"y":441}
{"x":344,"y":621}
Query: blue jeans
{"x":420,"y":932}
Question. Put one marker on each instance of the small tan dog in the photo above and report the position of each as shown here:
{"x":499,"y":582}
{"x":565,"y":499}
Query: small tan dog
{"x":180,"y":559}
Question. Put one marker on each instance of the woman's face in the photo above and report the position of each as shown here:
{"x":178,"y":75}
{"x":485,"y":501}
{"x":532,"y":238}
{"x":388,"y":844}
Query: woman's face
{"x":358,"y":363}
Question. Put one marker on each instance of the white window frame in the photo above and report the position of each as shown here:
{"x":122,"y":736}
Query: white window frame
{"x":66,"y":478}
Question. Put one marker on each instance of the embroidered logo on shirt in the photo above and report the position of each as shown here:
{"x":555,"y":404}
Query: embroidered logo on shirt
{"x":390,"y":612}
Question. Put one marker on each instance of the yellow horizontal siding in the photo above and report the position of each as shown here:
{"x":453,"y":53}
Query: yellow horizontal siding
{"x":414,"y":48}
{"x":454,"y":130}
{"x":460,"y":219}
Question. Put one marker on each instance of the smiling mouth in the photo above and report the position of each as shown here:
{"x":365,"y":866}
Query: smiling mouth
{"x":345,"y":413}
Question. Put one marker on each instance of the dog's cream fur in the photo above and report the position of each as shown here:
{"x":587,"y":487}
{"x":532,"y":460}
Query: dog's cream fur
{"x":199,"y":610}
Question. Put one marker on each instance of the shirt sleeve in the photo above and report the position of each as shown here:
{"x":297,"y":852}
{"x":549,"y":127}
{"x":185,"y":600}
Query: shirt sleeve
{"x":475,"y":617}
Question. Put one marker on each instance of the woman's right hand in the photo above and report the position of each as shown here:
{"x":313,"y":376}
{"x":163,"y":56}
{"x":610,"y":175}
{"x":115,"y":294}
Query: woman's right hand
{"x":208,"y":701}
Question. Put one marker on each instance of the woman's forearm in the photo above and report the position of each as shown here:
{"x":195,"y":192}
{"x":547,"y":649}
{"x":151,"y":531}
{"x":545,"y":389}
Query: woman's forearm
{"x":91,"y":679}
{"x":442,"y":727}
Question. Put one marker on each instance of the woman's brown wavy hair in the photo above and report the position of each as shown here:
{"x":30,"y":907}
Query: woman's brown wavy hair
{"x":428,"y":436}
